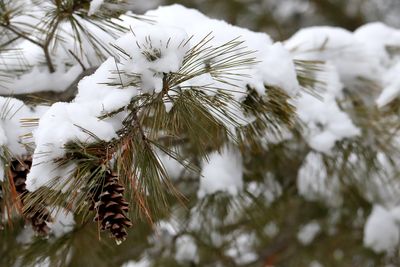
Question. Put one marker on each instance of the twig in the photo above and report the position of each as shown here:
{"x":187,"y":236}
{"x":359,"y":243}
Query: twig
{"x":46,"y":47}
{"x":77,"y":59}
{"x":22,"y":35}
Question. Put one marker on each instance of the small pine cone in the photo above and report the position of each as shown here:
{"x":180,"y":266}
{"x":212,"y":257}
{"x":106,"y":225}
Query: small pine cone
{"x":111,"y":207}
{"x":19,"y":171}
{"x":38,"y":217}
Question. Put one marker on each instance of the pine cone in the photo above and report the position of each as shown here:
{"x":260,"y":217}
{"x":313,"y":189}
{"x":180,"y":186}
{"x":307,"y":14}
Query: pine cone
{"x":111,"y":207}
{"x":19,"y":171}
{"x":39,"y":216}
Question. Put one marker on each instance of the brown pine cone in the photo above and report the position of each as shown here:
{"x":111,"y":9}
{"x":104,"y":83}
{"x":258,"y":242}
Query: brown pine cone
{"x":19,"y":171}
{"x":39,"y":216}
{"x":111,"y":207}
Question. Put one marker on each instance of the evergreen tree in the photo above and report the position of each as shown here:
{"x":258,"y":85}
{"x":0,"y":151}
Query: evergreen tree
{"x":173,"y":139}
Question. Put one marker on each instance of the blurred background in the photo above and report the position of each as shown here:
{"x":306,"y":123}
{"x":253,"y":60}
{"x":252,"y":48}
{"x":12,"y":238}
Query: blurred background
{"x":281,"y":18}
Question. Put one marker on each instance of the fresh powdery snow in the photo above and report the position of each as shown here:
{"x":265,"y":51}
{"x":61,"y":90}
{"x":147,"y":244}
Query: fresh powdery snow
{"x":12,"y":112}
{"x":381,"y":232}
{"x":153,"y":50}
{"x":63,"y":221}
{"x":382,"y":42}
{"x":341,"y":52}
{"x":28,"y":57}
{"x":222,"y":172}
{"x":13,"y":136}
{"x":326,"y":123}
{"x":94,"y":6}
{"x":391,"y":83}
{"x":275,"y":67}
{"x":141,"y":263}
{"x":368,"y":54}
{"x":314,"y":182}
{"x":186,"y":250}
{"x":378,"y":39}
{"x":337,"y":46}
{"x":64,"y":122}
{"x":241,"y":250}
{"x":308,"y":232}
{"x":148,"y":52}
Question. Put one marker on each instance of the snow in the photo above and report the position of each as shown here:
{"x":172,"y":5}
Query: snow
{"x":46,"y":262}
{"x":380,"y":39}
{"x":269,"y":188}
{"x":26,"y":236}
{"x":364,"y":55}
{"x":383,"y":186}
{"x":221,"y":172}
{"x":326,"y":123}
{"x":275,"y":67}
{"x":173,"y":168}
{"x":377,"y":38}
{"x":63,"y":122}
{"x":241,"y":250}
{"x":141,"y":263}
{"x":95,"y":94}
{"x":308,"y":232}
{"x":186,"y":249}
{"x":153,"y":50}
{"x":166,"y":228}
{"x":391,"y":83}
{"x":63,"y":221}
{"x":94,"y":6}
{"x":13,"y":135}
{"x":314,"y":183}
{"x":150,"y":51}
{"x":41,"y":80}
{"x":271,"y":229}
{"x":381,"y":232}
{"x":338,"y":47}
{"x":30,"y":57}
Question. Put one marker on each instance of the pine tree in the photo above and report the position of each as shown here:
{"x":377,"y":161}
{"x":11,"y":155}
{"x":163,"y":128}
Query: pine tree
{"x":221,"y":147}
